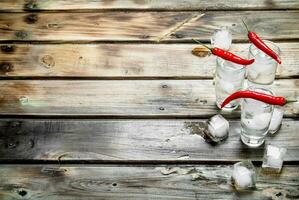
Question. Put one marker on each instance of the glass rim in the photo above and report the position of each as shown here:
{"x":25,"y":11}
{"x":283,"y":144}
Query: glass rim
{"x":218,"y":62}
{"x":276,"y":49}
{"x":267,"y":91}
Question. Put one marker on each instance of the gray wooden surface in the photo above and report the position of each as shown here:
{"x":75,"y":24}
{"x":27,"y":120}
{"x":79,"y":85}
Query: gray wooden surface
{"x":139,"y":182}
{"x":122,"y":98}
{"x":131,"y":141}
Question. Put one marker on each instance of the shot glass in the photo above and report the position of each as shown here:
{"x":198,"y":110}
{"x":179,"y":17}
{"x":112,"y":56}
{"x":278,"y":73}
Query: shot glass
{"x":255,"y":119}
{"x":263,"y":70}
{"x":229,"y":78}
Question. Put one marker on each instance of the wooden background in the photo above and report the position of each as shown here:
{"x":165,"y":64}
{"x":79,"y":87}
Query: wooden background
{"x":92,"y":106}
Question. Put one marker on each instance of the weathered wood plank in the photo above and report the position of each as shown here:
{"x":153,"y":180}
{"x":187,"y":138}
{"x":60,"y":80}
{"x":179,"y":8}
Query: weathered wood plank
{"x":144,"y":26}
{"x":130,"y":140}
{"x":33,"y":5}
{"x":144,"y":182}
{"x":123,"y":60}
{"x":121,"y":98}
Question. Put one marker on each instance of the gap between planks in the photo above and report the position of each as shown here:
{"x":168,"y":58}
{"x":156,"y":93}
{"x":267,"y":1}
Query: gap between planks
{"x":135,"y":163}
{"x":135,"y":42}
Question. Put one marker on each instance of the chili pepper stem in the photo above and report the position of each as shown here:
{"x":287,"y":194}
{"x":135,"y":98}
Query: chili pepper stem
{"x":291,"y":101}
{"x":245,"y":25}
{"x":202,"y":44}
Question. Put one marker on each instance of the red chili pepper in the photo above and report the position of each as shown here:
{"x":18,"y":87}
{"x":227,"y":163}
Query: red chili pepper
{"x":266,"y":98}
{"x":226,"y":55}
{"x":258,"y":42}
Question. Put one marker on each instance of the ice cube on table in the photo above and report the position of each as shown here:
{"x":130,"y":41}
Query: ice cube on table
{"x":273,"y":159}
{"x":243,"y":175}
{"x":217,"y":128}
{"x":276,"y":120}
{"x":222,"y":38}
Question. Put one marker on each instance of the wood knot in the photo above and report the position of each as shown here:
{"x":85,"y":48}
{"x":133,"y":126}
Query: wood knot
{"x":31,"y":5}
{"x":7,"y":48}
{"x":54,"y":171}
{"x":278,"y":194}
{"x":200,"y":51}
{"x":21,"y":35}
{"x":54,"y":26}
{"x":15,"y":124}
{"x":11,"y":144}
{"x":48,"y":61}
{"x":144,"y":36}
{"x":22,"y":193}
{"x":6,"y":67}
{"x":177,"y":35}
{"x":31,"y":143}
{"x":31,"y":19}
{"x":24,"y":100}
{"x":203,"y":101}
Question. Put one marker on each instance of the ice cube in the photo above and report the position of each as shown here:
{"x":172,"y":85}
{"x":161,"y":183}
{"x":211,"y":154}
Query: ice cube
{"x":217,"y":128}
{"x":222,"y":38}
{"x":227,"y":86}
{"x":244,"y":175}
{"x":258,"y":122}
{"x":276,"y":120}
{"x":252,"y":74}
{"x":273,"y":159}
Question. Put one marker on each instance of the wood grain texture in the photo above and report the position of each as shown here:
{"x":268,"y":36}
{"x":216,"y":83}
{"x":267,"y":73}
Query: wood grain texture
{"x":144,"y":182}
{"x":121,"y":98}
{"x":33,"y":5}
{"x":144,"y":26}
{"x":130,"y":140}
{"x":123,"y":60}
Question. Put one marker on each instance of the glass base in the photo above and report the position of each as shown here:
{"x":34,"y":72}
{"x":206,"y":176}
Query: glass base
{"x":259,"y":84}
{"x":252,"y":142}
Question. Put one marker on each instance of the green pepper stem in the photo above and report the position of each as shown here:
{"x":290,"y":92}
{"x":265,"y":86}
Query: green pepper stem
{"x":202,"y":44}
{"x":245,"y":25}
{"x":290,"y":101}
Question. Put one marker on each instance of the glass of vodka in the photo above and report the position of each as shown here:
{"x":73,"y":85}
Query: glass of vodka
{"x":263,"y":70}
{"x":255,"y":119}
{"x":229,"y":78}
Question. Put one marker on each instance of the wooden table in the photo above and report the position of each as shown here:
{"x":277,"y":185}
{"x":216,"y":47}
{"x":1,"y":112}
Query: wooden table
{"x":92,"y":107}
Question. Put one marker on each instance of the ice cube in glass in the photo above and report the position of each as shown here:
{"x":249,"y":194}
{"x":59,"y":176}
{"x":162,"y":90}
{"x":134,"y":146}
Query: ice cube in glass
{"x":273,"y":159}
{"x":217,"y":128}
{"x":243,"y":175}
